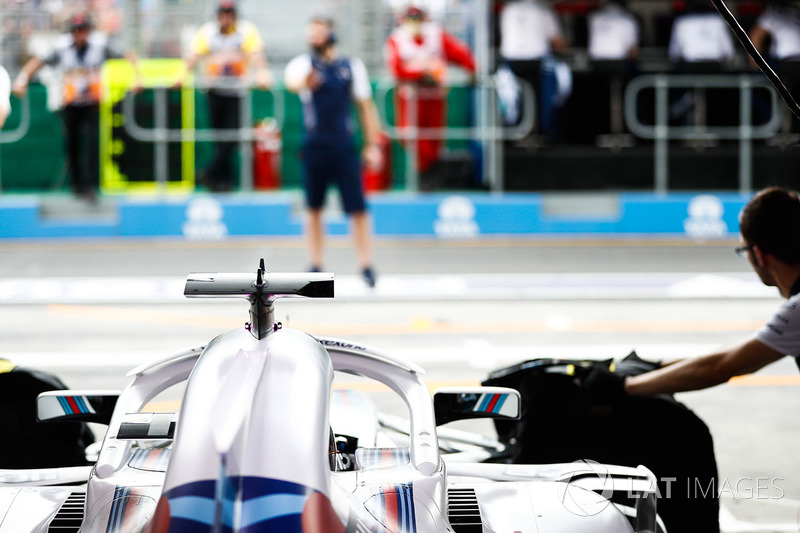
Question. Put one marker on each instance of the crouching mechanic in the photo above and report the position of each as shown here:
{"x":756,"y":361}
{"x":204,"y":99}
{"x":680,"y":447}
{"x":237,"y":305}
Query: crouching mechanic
{"x":328,"y":85}
{"x":770,"y":240}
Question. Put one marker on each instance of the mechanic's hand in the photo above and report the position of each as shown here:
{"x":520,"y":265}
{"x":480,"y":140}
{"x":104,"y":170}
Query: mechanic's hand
{"x":263,"y":79}
{"x":314,"y":80}
{"x":20,"y":86}
{"x":372,"y":156}
{"x":179,"y":83}
{"x":605,"y":385}
{"x":428,"y":80}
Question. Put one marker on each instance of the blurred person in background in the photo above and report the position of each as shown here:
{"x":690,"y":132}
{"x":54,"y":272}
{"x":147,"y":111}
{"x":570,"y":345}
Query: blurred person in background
{"x":701,"y":40}
{"x":5,"y":93}
{"x":701,"y":43}
{"x":231,"y":48}
{"x":769,"y":226}
{"x":328,"y":86}
{"x":418,"y":52}
{"x":529,"y":30}
{"x":80,"y":57}
{"x":530,"y":34}
{"x":779,"y":25}
{"x":613,"y":32}
{"x":613,"y":48}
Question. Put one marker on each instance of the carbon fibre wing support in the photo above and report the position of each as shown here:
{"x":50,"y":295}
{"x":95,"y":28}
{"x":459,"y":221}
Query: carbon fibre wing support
{"x":260,"y":289}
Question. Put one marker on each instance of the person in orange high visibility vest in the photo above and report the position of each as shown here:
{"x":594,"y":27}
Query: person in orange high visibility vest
{"x":229,"y":47}
{"x":80,"y":57}
{"x":417,"y":53}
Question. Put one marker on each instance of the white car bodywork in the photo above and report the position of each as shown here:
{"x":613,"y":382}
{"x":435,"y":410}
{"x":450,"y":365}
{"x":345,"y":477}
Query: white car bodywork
{"x":250,"y":453}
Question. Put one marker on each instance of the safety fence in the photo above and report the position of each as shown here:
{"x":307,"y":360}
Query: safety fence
{"x":484,"y":128}
{"x":161,"y":134}
{"x":487,"y":129}
{"x":700,"y":130}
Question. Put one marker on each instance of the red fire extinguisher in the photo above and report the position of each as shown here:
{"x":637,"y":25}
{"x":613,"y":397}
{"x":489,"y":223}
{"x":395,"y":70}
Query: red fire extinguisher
{"x":267,"y":154}
{"x":379,"y":179}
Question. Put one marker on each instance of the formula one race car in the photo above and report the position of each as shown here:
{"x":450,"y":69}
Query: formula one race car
{"x":263,"y":442}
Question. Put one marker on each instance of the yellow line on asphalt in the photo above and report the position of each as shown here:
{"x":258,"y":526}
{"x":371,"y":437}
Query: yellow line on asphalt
{"x":142,"y":316}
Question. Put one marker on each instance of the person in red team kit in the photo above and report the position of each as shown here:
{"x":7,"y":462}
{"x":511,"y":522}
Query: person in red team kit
{"x":418,"y":52}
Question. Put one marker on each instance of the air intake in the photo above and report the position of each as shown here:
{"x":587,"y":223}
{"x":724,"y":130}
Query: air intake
{"x":68,"y":519}
{"x":463,"y":511}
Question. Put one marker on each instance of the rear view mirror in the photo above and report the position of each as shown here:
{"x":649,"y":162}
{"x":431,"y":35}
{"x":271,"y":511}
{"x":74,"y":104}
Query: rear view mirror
{"x":462,"y":403}
{"x":85,"y":406}
{"x":141,"y":426}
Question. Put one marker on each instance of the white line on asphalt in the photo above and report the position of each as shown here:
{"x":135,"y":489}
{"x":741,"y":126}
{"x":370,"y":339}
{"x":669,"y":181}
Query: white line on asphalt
{"x":567,"y":286}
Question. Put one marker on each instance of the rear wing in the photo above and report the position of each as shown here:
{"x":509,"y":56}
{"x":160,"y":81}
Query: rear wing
{"x":260,"y":289}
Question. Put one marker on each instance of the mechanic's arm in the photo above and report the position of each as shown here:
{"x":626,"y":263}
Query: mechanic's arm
{"x":458,"y":52}
{"x":263,"y":78}
{"x":299,"y":75}
{"x":703,"y":372}
{"x":190,"y":62}
{"x":200,"y":48}
{"x":758,"y":35}
{"x":132,"y":58}
{"x":24,"y":77}
{"x":558,"y":44}
{"x":371,"y":128}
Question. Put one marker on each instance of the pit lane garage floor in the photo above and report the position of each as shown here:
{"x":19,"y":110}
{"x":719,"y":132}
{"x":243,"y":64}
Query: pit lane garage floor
{"x":90,"y":311}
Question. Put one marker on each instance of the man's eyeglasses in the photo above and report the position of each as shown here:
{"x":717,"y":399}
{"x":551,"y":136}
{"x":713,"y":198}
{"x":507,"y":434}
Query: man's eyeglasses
{"x":743,"y":250}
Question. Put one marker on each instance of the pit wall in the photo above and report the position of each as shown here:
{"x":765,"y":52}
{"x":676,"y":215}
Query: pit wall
{"x":446,"y":216}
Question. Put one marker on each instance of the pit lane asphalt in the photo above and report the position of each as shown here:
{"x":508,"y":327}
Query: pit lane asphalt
{"x":434,"y":305}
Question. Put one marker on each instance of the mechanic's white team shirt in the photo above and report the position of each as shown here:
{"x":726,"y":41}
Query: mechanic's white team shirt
{"x":782,"y":332}
{"x":300,"y":67}
{"x":784,"y":28}
{"x":701,"y":37}
{"x":526,"y":29}
{"x":5,"y":92}
{"x":613,"y":33}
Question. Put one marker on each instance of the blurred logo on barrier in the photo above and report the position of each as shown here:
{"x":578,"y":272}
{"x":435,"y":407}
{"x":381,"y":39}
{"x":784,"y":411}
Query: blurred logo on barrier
{"x":204,"y":220}
{"x":587,"y":490}
{"x":456,"y":219}
{"x":705,"y":218}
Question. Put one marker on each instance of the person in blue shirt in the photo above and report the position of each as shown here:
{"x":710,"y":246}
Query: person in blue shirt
{"x":329,"y":86}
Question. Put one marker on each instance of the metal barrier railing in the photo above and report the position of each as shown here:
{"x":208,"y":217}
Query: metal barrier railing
{"x":662,"y":132}
{"x":16,"y":134}
{"x":487,"y":130}
{"x":161,"y":135}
